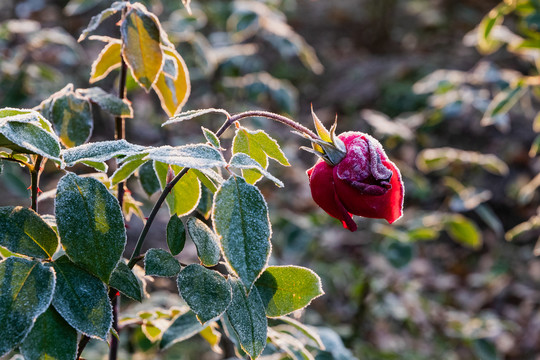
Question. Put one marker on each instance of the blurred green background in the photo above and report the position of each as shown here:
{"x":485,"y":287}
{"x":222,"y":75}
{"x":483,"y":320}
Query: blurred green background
{"x":444,"y":282}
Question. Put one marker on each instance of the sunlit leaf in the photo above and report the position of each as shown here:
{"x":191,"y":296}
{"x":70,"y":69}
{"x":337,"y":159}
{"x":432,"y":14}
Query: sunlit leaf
{"x":26,"y":291}
{"x":211,"y":137}
{"x":141,"y":47}
{"x":51,"y":337}
{"x":284,"y":289}
{"x":241,"y":220}
{"x":185,"y":195}
{"x":109,"y":58}
{"x":206,"y":291}
{"x":173,"y":92}
{"x":23,"y":231}
{"x":196,"y":156}
{"x":502,"y":103}
{"x":158,"y":262}
{"x":90,"y":315}
{"x":125,"y":171}
{"x":90,"y":224}
{"x":463,"y":231}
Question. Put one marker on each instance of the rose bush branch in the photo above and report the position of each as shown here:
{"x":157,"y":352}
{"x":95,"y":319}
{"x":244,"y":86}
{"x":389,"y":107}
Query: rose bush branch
{"x":230,"y":120}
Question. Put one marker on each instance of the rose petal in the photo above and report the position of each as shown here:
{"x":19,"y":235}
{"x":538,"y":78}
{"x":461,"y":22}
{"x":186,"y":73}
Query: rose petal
{"x":323,"y":191}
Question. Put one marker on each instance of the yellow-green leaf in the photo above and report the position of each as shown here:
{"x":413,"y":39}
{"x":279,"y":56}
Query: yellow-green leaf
{"x":109,"y":59}
{"x":141,"y":47}
{"x":185,"y":195}
{"x":173,"y":92}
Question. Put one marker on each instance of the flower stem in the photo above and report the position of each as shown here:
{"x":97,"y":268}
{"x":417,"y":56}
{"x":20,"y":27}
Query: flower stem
{"x":34,"y":176}
{"x":230,"y":120}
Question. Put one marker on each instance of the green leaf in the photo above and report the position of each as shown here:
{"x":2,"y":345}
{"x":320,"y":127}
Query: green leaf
{"x":185,"y":195}
{"x":502,"y":103}
{"x":463,"y":231}
{"x":141,"y":47}
{"x":485,"y":349}
{"x":51,"y":338}
{"x":191,"y":114}
{"x":184,"y":327}
{"x":71,"y":115}
{"x":205,"y":203}
{"x":107,"y":102}
{"x":197,"y":156}
{"x":27,"y":131}
{"x":99,"y":166}
{"x":176,"y":235}
{"x":209,"y":178}
{"x":126,"y":170}
{"x":99,"y":18}
{"x":211,"y":138}
{"x":81,"y":299}
{"x":308,"y":331}
{"x":123,"y":280}
{"x":284,"y":289}
{"x":173,"y":92}
{"x":205,"y":240}
{"x":241,"y":220}
{"x":90,"y":224}
{"x":247,"y":316}
{"x":243,"y":161}
{"x":206,"y":292}
{"x":398,"y":253}
{"x":158,"y":262}
{"x":148,"y":178}
{"x":26,"y":291}
{"x":23,"y":231}
{"x":109,"y":58}
{"x":100,"y":151}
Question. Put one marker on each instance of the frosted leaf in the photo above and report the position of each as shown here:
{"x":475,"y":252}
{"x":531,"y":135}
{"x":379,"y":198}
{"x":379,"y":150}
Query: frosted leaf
{"x":209,"y":178}
{"x":188,"y":115}
{"x":243,"y":161}
{"x":158,"y":262}
{"x":26,"y":291}
{"x":170,"y":67}
{"x":184,"y":327}
{"x":176,"y":235}
{"x":205,"y":240}
{"x":284,"y":289}
{"x":99,"y":18}
{"x":196,"y":156}
{"x":308,"y":331}
{"x":71,"y":115}
{"x":211,"y":137}
{"x":99,"y":166}
{"x":290,"y":345}
{"x":51,"y":338}
{"x":100,"y":151}
{"x":123,"y":280}
{"x":90,"y":224}
{"x":27,"y":131}
{"x":82,"y":299}
{"x":248,"y":319}
{"x":241,"y":220}
{"x":206,"y":291}
{"x":25,"y":232}
{"x":107,"y":102}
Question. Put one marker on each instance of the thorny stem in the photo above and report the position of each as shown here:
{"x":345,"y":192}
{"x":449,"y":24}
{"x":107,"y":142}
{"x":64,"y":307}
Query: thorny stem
{"x":34,"y":184}
{"x":230,"y":120}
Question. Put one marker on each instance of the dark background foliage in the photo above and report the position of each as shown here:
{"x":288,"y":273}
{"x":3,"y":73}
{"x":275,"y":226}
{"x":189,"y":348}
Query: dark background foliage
{"x":432,"y":285}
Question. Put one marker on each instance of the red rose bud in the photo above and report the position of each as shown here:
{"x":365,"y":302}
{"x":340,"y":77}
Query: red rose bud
{"x":364,"y":182}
